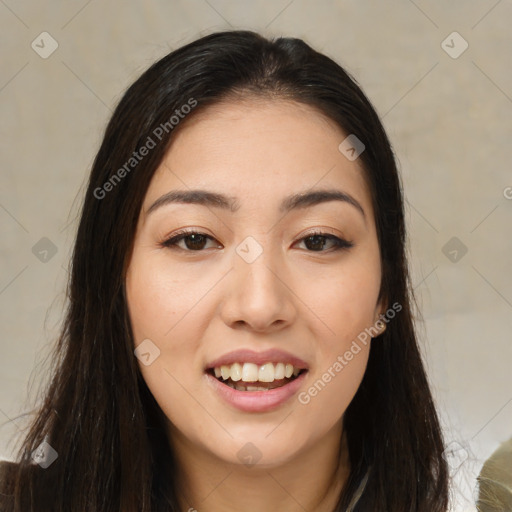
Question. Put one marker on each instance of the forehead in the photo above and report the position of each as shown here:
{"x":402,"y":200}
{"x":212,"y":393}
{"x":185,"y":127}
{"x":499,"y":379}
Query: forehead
{"x":259,"y":150}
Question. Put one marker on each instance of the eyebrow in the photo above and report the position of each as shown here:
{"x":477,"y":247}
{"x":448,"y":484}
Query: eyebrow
{"x":217,"y":200}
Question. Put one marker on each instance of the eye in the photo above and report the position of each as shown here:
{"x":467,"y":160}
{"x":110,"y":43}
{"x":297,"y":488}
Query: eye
{"x":193,"y":241}
{"x":316,"y":242}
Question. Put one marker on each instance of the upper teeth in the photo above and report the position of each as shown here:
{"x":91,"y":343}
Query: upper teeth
{"x":250,"y":372}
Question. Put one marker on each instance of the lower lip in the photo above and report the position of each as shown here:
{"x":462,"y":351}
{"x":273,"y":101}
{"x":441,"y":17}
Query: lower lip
{"x":257,"y":401}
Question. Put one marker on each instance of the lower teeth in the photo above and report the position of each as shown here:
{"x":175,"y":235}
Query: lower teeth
{"x":241,"y":387}
{"x":246,"y":388}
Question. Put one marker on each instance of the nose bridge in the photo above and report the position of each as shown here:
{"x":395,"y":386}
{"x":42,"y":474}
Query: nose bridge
{"x":258,"y":296}
{"x":254,"y":269}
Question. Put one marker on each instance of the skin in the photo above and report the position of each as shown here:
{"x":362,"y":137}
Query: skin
{"x":198,"y":305}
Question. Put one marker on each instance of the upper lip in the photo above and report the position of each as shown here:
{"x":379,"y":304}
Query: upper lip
{"x":259,"y":358}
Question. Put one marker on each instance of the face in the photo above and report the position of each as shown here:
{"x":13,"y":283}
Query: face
{"x":282,"y":281}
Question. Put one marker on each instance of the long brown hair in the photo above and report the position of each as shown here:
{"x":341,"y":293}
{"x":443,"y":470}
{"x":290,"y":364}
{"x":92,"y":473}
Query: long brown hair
{"x":97,"y":412}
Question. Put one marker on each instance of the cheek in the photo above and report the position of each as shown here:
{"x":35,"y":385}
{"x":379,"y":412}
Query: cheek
{"x":344,"y":297}
{"x":342,"y":354}
{"x":166,"y":306}
{"x":160,"y":297}
{"x":330,"y":391}
{"x":161,"y":308}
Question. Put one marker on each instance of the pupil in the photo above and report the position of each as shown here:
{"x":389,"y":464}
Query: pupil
{"x":198,"y":241}
{"x":318,"y":241}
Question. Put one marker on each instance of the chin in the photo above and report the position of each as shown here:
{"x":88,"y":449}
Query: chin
{"x":255,"y":449}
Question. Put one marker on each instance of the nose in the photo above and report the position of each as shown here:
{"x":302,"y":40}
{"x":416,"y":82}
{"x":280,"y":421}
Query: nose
{"x":259,"y":296}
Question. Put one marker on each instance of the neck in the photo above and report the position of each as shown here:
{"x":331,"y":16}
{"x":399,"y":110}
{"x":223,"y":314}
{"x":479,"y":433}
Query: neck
{"x":312,"y":480}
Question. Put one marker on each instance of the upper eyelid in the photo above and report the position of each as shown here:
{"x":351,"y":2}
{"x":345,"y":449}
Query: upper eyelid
{"x":315,"y":232}
{"x":180,"y":235}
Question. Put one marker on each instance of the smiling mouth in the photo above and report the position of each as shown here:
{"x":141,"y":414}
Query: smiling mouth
{"x":241,"y":385}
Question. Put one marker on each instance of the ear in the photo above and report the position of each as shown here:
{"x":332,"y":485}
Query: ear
{"x":380,"y":309}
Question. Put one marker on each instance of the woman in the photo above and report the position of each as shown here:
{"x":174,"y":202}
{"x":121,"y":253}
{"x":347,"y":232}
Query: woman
{"x":239,"y":333}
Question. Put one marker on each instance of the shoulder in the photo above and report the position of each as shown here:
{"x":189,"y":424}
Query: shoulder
{"x":495,"y":480}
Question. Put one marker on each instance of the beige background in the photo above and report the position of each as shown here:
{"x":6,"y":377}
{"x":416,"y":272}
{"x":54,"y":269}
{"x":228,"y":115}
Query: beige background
{"x":448,"y":118}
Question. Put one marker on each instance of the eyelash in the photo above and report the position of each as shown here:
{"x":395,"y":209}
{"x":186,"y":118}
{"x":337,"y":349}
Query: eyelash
{"x":339,"y":243}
